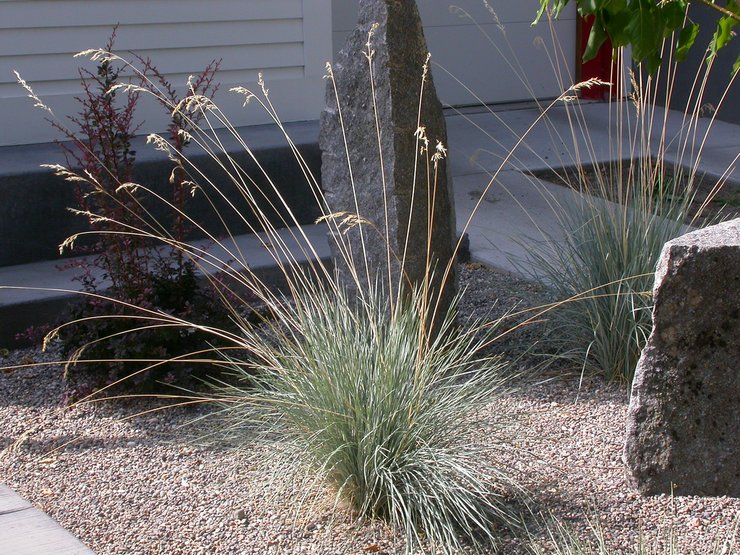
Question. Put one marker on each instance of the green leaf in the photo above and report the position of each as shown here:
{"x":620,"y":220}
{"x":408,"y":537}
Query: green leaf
{"x":559,"y":5}
{"x":736,"y":65}
{"x":596,"y":38}
{"x":672,"y":15}
{"x":589,"y":6}
{"x":645,"y":32}
{"x":723,"y":34}
{"x":543,"y":8}
{"x":614,"y":6}
{"x":545,"y":5}
{"x":652,"y":62}
{"x":616,"y":26}
{"x":733,"y":6}
{"x":686,"y":39}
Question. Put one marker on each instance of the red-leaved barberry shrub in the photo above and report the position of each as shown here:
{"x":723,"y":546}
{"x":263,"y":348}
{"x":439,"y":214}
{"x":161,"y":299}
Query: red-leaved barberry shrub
{"x":136,"y":272}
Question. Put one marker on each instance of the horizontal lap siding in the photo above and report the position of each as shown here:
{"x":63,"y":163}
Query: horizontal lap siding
{"x":141,"y":36}
{"x":39,"y":37}
{"x":58,"y":67}
{"x":73,"y":13}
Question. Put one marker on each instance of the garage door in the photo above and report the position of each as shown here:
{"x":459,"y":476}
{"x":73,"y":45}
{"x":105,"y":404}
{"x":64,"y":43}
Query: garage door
{"x":495,"y":52}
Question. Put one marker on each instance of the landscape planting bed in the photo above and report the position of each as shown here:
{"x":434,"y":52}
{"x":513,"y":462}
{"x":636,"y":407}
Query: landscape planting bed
{"x":147,"y":485}
{"x":724,"y":202}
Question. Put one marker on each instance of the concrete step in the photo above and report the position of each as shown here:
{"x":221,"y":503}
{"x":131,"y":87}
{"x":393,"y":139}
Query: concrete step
{"x":39,"y":292}
{"x":34,"y":215}
{"x":34,"y":219}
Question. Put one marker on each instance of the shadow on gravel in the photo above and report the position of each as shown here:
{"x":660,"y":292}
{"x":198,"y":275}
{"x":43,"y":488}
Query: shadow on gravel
{"x":72,"y":444}
{"x":38,"y":387}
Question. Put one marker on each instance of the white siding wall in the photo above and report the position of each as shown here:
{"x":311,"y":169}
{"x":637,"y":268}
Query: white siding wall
{"x":288,"y":40}
{"x":497,"y":65}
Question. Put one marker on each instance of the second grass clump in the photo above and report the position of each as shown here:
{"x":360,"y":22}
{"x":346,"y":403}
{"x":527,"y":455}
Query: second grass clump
{"x":601,"y":261}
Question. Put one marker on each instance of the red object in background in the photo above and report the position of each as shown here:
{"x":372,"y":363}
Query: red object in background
{"x":601,"y":67}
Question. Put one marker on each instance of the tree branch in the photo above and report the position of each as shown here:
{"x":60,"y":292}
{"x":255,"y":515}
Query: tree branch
{"x":720,"y":9}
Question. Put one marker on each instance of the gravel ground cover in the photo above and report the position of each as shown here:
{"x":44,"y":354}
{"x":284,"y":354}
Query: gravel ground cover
{"x":130,"y":482}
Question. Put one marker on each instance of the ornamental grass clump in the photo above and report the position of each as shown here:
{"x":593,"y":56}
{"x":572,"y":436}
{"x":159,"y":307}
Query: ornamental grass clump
{"x":605,"y":265}
{"x":386,"y":415}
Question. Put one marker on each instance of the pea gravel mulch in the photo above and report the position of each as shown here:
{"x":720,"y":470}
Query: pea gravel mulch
{"x":141,"y":485}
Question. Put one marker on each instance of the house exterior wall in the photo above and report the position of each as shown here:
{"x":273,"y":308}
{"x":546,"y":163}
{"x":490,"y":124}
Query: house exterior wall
{"x":288,"y":40}
{"x":480,"y":56}
{"x":721,"y":91}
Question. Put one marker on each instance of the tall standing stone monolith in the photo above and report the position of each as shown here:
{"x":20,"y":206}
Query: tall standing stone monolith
{"x":683,"y":423}
{"x":391,"y":192}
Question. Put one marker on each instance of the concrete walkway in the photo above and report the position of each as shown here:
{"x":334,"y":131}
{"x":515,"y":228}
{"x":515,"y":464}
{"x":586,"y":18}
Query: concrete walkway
{"x":25,"y":530}
{"x":518,"y":209}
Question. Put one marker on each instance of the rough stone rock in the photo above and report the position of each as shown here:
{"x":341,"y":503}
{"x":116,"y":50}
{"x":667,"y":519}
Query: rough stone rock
{"x":386,"y":190}
{"x":683,"y":423}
